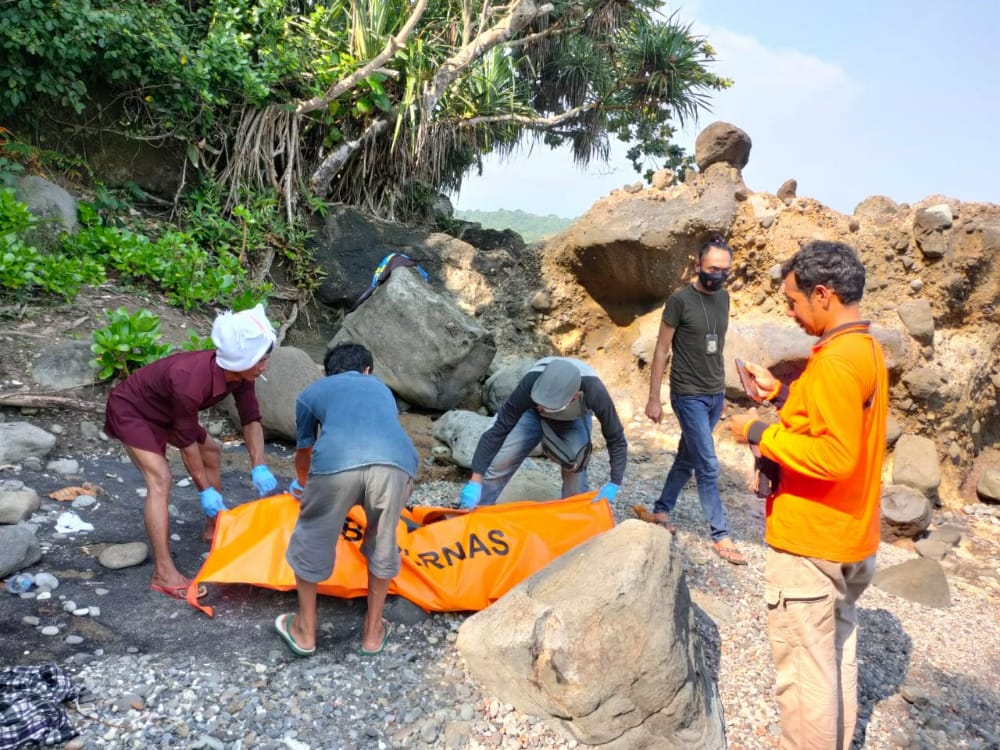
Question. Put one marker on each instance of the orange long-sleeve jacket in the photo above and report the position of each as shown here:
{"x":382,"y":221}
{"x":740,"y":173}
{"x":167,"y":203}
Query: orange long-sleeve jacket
{"x":830,"y":444}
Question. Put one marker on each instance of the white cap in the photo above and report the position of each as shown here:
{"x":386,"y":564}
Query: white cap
{"x":242,"y":339}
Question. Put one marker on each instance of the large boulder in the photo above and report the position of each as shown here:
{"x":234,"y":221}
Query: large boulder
{"x":920,"y":580}
{"x":502,"y":383}
{"x":20,"y":440}
{"x":631,"y":250}
{"x":19,"y":549}
{"x":348,"y":245}
{"x":725,"y":143}
{"x":602,"y":642}
{"x":51,"y":203}
{"x":426,"y":350}
{"x":915,"y":463}
{"x":65,"y":365}
{"x":289,"y":372}
{"x":460,"y":430}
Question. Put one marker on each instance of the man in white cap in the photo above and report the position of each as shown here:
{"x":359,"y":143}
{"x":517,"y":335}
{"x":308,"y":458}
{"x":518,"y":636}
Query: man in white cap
{"x":159,"y":404}
{"x":552,"y":405}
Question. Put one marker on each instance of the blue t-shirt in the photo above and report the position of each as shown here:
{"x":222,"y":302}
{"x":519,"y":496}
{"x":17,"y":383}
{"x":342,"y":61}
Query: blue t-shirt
{"x":351,"y":421}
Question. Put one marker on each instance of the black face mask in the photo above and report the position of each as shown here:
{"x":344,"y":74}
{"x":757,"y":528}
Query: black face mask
{"x":713,"y":281}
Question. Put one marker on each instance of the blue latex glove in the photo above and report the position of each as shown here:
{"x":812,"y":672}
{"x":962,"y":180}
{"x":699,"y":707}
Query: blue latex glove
{"x":472,"y":493}
{"x":263,"y":480}
{"x":608,"y":492}
{"x":211,"y":501}
{"x":296,"y":490}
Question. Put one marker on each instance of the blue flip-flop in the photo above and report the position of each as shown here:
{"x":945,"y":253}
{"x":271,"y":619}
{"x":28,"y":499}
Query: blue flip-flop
{"x":281,"y":624}
{"x":385,"y":639}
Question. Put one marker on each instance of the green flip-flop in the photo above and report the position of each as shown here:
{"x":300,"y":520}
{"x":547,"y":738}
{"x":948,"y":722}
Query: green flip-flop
{"x":385,"y":639}
{"x":282,"y":624}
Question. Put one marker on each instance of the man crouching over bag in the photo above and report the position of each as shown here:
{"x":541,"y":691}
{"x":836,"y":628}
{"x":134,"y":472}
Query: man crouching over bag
{"x":553,"y":405}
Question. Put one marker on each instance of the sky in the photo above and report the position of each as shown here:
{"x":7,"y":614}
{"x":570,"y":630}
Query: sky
{"x":852,"y":99}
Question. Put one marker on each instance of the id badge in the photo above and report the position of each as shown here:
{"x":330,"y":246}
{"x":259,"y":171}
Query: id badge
{"x":711,"y":343}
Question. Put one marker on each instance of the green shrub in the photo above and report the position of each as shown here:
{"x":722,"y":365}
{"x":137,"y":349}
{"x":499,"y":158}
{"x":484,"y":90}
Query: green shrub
{"x":24,"y":270}
{"x":127,"y":343}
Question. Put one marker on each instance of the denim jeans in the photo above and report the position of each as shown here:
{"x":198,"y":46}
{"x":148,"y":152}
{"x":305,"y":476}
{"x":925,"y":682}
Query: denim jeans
{"x":527,"y":434}
{"x":697,"y":415}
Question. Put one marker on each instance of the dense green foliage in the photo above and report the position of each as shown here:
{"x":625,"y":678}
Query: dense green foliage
{"x":531,"y":227}
{"x":174,"y":262}
{"x":355,"y":100}
{"x":24,"y":270}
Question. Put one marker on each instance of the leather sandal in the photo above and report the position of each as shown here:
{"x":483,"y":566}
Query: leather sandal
{"x":728,"y":552}
{"x":660,"y":519}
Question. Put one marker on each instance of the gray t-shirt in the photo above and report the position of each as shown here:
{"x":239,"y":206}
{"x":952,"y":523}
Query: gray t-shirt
{"x":693,"y":315}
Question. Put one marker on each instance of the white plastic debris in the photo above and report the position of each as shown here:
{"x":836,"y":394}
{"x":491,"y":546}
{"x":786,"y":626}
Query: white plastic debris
{"x":69,"y":522}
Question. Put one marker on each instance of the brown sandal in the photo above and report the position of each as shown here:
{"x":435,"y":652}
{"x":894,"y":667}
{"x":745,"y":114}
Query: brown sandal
{"x":644,"y":515}
{"x":728,"y":552}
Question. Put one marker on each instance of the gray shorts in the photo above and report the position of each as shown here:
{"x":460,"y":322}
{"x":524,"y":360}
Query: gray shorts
{"x":380,"y":489}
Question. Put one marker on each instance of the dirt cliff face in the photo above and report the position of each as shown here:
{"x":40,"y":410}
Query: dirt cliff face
{"x":938,"y":255}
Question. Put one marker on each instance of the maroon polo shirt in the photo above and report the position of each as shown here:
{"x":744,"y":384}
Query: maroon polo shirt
{"x":159,"y":403}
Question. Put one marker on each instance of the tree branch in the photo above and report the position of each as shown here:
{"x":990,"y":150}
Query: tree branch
{"x":46,"y":400}
{"x":521,"y":14}
{"x":392,"y":46}
{"x":526,"y":120}
{"x":320,"y":181}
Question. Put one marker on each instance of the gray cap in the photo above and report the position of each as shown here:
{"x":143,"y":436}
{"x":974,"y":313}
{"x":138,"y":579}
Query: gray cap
{"x":556,"y":386}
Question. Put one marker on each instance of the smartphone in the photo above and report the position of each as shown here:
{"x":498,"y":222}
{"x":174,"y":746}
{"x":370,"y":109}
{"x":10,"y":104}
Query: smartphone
{"x":746,"y":380}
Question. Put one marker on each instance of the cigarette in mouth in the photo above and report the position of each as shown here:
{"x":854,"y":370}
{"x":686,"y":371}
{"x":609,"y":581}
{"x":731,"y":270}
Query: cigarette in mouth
{"x":262,"y":378}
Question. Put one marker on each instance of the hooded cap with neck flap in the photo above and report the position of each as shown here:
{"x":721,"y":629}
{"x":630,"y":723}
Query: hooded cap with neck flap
{"x":242,"y":339}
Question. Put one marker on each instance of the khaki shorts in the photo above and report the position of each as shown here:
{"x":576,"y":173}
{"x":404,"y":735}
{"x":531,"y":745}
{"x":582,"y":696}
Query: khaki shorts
{"x":380,"y":489}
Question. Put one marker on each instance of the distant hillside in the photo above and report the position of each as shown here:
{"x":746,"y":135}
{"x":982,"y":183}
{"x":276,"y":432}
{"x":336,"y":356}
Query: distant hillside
{"x":531,"y":227}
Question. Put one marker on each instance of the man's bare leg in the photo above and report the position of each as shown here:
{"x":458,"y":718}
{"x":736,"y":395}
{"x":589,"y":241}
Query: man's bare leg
{"x":373,"y":628}
{"x":156,"y":472}
{"x":303,"y":625}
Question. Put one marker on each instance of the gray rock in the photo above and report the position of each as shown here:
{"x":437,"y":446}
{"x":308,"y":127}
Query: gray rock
{"x":289,"y":371}
{"x":65,"y":365}
{"x":400,"y":610}
{"x":64,"y":466}
{"x":921,"y":581}
{"x":722,"y":142}
{"x":893,"y":430}
{"x":454,"y":350}
{"x":915,"y":464}
{"x":988,"y":486}
{"x":83,"y":501}
{"x":19,"y":440}
{"x":19,"y":549}
{"x":118,"y":556}
{"x":906,"y":513}
{"x":531,"y":482}
{"x":503,"y":382}
{"x":947,"y":534}
{"x":460,"y":430}
{"x":923,"y":383}
{"x":786,"y":193}
{"x":50,"y":202}
{"x":90,"y":430}
{"x":918,"y":318}
{"x":638,"y":680}
{"x":628,"y":253}
{"x":932,"y":549}
{"x":933,"y":218}
{"x":18,"y":505}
